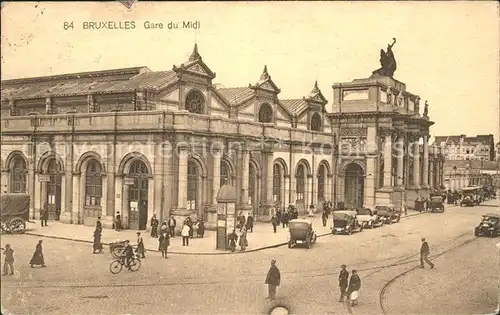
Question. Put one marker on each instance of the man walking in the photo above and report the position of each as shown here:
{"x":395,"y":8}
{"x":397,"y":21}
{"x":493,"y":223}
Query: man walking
{"x":343,"y":279}
{"x":273,"y":280}
{"x":9,"y":260}
{"x":171,"y":226}
{"x":424,"y":254}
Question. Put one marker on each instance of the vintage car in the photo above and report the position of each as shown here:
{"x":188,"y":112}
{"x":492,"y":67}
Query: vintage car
{"x":437,"y":204}
{"x":467,"y":201}
{"x":345,"y":222}
{"x":368,"y":218}
{"x":388,"y":213}
{"x":489,"y":226}
{"x":301,"y":231}
{"x":15,"y":210}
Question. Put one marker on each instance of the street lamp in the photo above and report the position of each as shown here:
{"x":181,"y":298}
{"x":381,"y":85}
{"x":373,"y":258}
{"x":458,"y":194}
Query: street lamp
{"x":454,"y":177}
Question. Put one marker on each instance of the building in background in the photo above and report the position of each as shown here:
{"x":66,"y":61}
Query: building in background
{"x":481,"y":147}
{"x":459,"y":173}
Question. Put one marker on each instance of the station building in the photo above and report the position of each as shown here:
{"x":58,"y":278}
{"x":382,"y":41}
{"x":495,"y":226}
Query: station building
{"x":142,"y":142}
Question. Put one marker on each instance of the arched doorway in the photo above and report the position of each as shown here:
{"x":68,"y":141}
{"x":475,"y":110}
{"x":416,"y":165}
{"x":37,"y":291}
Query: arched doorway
{"x":300,"y":187}
{"x":277,"y":176}
{"x":321,"y":183}
{"x":138,"y":195}
{"x":53,"y":196}
{"x":354,"y":186}
{"x":19,"y":173}
{"x":225,"y":174}
{"x":252,"y":188}
{"x":192,"y":186}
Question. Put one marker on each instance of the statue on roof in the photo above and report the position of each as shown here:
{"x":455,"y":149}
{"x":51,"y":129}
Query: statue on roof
{"x":426,"y":109}
{"x":387,"y":61}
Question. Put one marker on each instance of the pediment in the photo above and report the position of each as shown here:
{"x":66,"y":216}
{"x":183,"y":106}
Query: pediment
{"x":319,"y":98}
{"x":267,"y":85}
{"x":196,"y":67}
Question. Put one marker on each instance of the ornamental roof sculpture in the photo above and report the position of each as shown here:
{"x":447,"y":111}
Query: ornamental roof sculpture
{"x":387,"y":61}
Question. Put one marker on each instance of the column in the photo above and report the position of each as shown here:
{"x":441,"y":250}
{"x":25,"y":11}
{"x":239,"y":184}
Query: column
{"x":245,"y":161}
{"x":388,"y":160}
{"x":400,"y":164}
{"x":369,"y":193}
{"x":286,"y":183}
{"x":425,"y":165}
{"x":77,"y":217}
{"x":112,"y":190}
{"x":182,"y":179}
{"x":216,"y":160}
{"x":416,"y":161}
{"x":269,"y":178}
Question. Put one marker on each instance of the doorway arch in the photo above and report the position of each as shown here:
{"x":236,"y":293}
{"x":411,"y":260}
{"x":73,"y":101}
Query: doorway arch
{"x":138,"y":195}
{"x":354,"y":186}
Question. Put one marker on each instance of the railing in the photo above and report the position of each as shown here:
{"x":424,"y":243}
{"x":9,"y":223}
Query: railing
{"x":156,"y":121}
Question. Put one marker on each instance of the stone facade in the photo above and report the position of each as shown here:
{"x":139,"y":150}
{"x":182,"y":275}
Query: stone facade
{"x":142,"y":142}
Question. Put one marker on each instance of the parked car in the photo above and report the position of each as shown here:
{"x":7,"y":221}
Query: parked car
{"x":388,"y":213}
{"x":345,"y":222}
{"x":437,"y":204}
{"x":489,"y":226}
{"x":467,"y":202}
{"x":301,"y":231}
{"x":368,"y":218}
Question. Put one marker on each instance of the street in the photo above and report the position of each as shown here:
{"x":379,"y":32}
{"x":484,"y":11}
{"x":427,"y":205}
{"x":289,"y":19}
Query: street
{"x":464,"y":280}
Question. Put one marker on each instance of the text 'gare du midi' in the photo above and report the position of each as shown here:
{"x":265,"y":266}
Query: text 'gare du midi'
{"x":100,"y":113}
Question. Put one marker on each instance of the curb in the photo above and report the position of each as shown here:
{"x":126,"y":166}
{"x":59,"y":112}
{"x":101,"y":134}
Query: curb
{"x":192,"y":254}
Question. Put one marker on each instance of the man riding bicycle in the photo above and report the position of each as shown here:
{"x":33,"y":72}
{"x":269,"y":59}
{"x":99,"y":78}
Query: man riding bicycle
{"x":127,"y":254}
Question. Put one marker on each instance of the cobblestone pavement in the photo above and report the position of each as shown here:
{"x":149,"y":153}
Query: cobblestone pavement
{"x":78,"y":282}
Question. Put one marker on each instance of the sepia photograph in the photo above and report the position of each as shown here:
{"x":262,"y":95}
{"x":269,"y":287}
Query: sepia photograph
{"x":287,"y":157}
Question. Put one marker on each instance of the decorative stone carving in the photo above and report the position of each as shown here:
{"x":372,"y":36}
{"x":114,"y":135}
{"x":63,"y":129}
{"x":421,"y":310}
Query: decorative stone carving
{"x":267,"y":86}
{"x":426,"y":109}
{"x":385,"y":131}
{"x":387,"y":61}
{"x":399,"y":99}
{"x":353,"y":132}
{"x":49,"y":107}
{"x":389,"y":96}
{"x":417,"y":104}
{"x":14,"y":111}
{"x":92,"y":104}
{"x":353,"y":144}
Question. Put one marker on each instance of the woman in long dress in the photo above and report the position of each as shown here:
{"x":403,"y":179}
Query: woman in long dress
{"x":37,"y":258}
{"x":140,"y":246}
{"x":164,"y":245}
{"x":243,"y":239}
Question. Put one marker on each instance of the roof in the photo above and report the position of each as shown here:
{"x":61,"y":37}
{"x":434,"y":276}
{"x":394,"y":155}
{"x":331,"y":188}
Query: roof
{"x":300,"y":221}
{"x":86,"y":84}
{"x":483,"y":139}
{"x":348,"y":212}
{"x":294,"y":106}
{"x":236,"y":95}
{"x":493,"y":215}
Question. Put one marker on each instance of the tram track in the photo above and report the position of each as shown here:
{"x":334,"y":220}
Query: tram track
{"x":387,"y":285}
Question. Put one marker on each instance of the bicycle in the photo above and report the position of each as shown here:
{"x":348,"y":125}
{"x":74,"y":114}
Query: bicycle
{"x":116,"y":266}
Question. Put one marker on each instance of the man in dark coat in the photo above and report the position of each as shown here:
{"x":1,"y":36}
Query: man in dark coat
{"x":98,"y":224}
{"x":324,"y":217}
{"x":171,"y":226}
{"x":9,"y":260}
{"x":424,"y":254}
{"x":118,"y":222}
{"x":273,"y":280}
{"x":250,"y":223}
{"x":97,"y":238}
{"x":343,"y":280}
{"x":274,"y":222}
{"x":232,"y":238}
{"x":154,"y":226}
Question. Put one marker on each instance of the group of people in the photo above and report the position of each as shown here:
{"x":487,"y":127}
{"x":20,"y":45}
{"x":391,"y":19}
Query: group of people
{"x":245,"y":223}
{"x":349,"y":287}
{"x":233,"y":238}
{"x":284,"y":216}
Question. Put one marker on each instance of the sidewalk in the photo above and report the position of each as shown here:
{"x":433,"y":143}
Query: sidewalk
{"x":261,"y":238}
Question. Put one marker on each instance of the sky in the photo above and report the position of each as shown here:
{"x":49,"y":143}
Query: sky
{"x":446,"y":52}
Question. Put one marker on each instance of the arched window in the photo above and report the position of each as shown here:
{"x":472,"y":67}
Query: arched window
{"x":195,"y":102}
{"x":54,"y":171}
{"x":139,"y":190}
{"x":18,"y":179}
{"x":93,"y":184}
{"x":321,"y":182}
{"x":225,"y":174}
{"x":316,"y":122}
{"x":300,"y":179}
{"x":277,"y":182}
{"x":192,"y":185}
{"x":265,"y":113}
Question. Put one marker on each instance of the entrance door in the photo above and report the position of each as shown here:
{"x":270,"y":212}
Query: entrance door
{"x":138,"y":196}
{"x":53,"y":196}
{"x":354,"y":186}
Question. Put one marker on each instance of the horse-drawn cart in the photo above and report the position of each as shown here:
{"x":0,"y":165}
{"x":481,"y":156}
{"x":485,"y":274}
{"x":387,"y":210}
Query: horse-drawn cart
{"x":15,"y":212}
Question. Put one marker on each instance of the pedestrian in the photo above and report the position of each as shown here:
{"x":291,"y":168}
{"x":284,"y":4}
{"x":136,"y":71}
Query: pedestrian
{"x":185,"y":234}
{"x":9,"y":260}
{"x":250,"y":223}
{"x":189,"y":223}
{"x":201,"y":228}
{"x":140,"y":246}
{"x":232,"y":239}
{"x":274,"y":222}
{"x":154,"y":226}
{"x":311,"y":211}
{"x":424,"y":254}
{"x":164,"y":228}
{"x":118,"y":222}
{"x":44,"y":214}
{"x":273,"y":280}
{"x":37,"y":258}
{"x":324,"y":217}
{"x":98,"y":224}
{"x":354,"y":286}
{"x":165,"y":243}
{"x":97,"y":241}
{"x":285,"y":219}
{"x":243,"y":239}
{"x":172,"y":223}
{"x":160,"y":241}
{"x":405,"y":208}
{"x":343,"y":280}
{"x":241,"y":221}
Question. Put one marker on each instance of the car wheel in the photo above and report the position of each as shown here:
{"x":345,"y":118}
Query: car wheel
{"x":476,"y":232}
{"x":494,"y":234}
{"x":361,"y":229}
{"x":371,"y":224}
{"x":290,"y":244}
{"x":349,"y":232}
{"x":399,"y":218}
{"x":308,"y":244}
